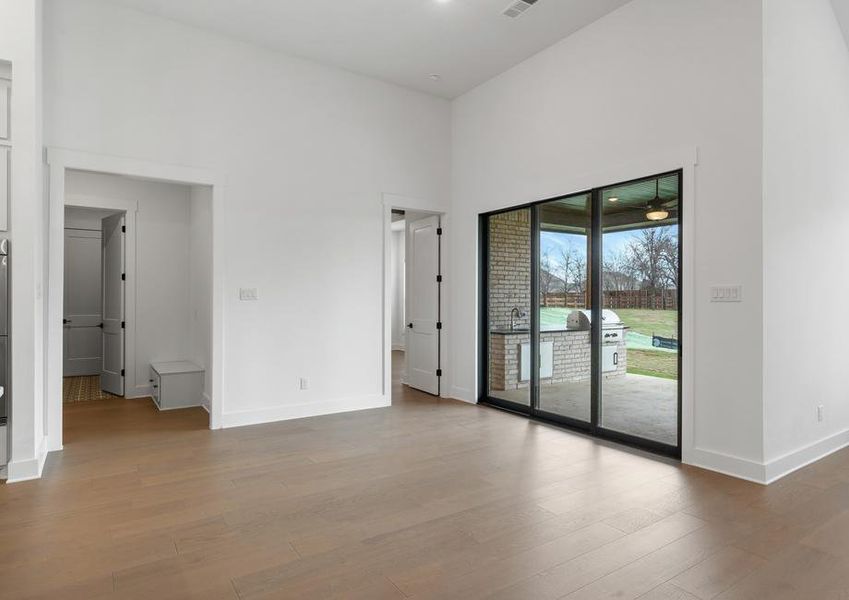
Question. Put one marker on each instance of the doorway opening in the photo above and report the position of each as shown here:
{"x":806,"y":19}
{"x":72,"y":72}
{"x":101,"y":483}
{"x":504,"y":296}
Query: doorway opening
{"x":137,"y":300}
{"x":94,"y":318}
{"x":581,"y":316}
{"x":414,"y":288}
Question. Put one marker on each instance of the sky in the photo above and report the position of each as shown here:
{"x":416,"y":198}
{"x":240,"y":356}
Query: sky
{"x":552,"y":243}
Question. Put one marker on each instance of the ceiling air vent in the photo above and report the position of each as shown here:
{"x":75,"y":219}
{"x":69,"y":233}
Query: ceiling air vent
{"x":517,"y":8}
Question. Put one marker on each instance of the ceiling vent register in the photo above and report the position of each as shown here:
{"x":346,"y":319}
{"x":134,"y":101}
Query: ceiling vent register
{"x":518,"y":8}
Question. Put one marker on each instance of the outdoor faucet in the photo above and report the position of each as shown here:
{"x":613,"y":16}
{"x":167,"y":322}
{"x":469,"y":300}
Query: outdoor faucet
{"x":519,"y":315}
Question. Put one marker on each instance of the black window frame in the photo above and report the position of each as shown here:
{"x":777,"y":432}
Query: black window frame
{"x":532,"y":410}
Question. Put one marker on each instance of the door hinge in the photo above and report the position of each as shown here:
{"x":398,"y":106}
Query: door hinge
{"x":123,"y":324}
{"x":439,"y":372}
{"x":439,"y":325}
{"x":439,"y":279}
{"x":439,"y":231}
{"x":123,"y":276}
{"x":123,"y":229}
{"x":122,"y":372}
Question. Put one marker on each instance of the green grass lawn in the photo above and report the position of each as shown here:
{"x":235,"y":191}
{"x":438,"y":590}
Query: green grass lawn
{"x":650,"y":322}
{"x":641,"y":361}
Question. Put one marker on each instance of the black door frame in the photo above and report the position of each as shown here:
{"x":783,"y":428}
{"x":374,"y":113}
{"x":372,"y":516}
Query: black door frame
{"x":533,"y":411}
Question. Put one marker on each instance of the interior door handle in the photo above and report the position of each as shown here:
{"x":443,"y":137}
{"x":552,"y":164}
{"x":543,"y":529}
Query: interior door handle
{"x":410,"y":325}
{"x":65,"y":321}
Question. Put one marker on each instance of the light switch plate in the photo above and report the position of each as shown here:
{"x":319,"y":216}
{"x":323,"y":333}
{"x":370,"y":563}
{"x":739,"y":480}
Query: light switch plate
{"x":248,"y":294}
{"x":726,"y":293}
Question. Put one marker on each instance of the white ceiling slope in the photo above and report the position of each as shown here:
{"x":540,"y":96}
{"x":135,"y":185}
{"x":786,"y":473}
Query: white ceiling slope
{"x":466,"y":42}
{"x":841,"y":10}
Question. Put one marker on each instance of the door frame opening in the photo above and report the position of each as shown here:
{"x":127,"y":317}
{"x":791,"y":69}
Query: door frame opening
{"x":59,"y":162}
{"x":107,"y":207}
{"x":407,"y":204}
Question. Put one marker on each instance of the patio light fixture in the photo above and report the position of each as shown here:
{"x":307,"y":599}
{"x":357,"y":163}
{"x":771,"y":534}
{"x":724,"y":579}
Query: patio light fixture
{"x":656,"y":210}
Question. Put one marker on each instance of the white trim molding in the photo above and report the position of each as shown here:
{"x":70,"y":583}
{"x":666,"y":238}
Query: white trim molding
{"x":59,"y":161}
{"x":299,"y":411}
{"x":793,"y":461}
{"x":26,"y":470}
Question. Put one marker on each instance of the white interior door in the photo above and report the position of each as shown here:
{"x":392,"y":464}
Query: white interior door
{"x":82,"y":348}
{"x":422,"y":340}
{"x":113,"y":253}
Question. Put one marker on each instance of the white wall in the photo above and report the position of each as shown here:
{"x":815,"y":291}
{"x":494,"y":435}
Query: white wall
{"x":646,"y":80}
{"x":200,"y":283}
{"x":806,"y":219}
{"x":399,"y":248}
{"x":164,"y":317}
{"x":20,"y":44}
{"x":307,"y":152}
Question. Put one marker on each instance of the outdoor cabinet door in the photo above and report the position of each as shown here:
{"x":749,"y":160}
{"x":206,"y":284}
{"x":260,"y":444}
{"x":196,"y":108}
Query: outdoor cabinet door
{"x":113,"y":253}
{"x":422,"y":338}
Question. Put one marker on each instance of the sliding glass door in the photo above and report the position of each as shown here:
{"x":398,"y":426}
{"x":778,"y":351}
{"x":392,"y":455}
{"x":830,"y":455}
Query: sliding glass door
{"x":508,"y":308}
{"x":564,"y":308}
{"x":640,"y":284}
{"x":581,"y":319}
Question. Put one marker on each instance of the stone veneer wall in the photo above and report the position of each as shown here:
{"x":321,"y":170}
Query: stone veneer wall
{"x":509,"y":268}
{"x":571,"y":359}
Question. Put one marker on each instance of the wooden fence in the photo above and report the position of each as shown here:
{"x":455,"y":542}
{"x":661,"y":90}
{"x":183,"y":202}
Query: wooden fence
{"x":640,"y":299}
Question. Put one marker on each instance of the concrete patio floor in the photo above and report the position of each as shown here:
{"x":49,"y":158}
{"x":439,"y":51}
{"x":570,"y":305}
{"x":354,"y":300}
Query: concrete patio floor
{"x":639,"y":405}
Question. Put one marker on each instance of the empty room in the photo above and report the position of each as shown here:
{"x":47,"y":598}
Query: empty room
{"x":348,"y":299}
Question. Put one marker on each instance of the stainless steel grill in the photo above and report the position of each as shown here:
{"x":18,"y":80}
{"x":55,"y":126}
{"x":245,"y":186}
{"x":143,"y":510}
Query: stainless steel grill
{"x":612,"y":327}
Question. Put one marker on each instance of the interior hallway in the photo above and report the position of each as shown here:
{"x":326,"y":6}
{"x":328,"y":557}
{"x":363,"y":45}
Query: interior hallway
{"x":427,"y":499}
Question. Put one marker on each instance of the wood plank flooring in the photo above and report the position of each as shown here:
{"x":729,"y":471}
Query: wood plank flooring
{"x":428,"y":499}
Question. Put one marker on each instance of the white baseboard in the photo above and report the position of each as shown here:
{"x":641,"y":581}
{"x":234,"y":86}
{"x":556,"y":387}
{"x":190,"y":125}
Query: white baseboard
{"x":300,"y":411}
{"x":802,"y":457}
{"x":140,"y":391}
{"x":205,"y":402}
{"x":463,"y":394}
{"x":30,"y":468}
{"x":726,"y":464}
{"x":772,"y":470}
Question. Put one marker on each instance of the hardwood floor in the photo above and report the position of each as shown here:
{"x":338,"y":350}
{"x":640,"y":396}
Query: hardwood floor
{"x":429,"y":499}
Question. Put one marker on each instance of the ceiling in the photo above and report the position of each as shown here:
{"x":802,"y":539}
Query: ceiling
{"x":841,"y":9}
{"x":464,"y":42}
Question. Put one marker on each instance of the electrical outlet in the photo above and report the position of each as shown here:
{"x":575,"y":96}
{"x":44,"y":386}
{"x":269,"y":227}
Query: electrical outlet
{"x":820,"y":413}
{"x":248,"y":294}
{"x":304,"y":383}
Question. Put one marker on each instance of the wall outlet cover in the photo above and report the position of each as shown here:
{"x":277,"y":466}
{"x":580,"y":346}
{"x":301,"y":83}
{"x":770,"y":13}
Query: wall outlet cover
{"x":248,"y":294}
{"x":726,"y":293}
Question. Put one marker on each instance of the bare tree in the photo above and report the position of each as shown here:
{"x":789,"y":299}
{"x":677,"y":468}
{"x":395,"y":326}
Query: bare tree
{"x":547,"y":278}
{"x":578,"y":274}
{"x":619,"y":272}
{"x":567,"y":257}
{"x":651,"y":256}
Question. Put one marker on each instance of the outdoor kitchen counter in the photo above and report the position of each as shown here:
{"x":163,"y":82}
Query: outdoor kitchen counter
{"x":567,"y":352}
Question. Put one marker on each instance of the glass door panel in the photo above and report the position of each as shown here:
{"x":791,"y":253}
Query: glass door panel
{"x":565,"y":350}
{"x":509,"y":306}
{"x":640,"y":326}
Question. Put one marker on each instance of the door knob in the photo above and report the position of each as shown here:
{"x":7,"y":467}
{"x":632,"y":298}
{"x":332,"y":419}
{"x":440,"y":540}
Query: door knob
{"x":410,"y":325}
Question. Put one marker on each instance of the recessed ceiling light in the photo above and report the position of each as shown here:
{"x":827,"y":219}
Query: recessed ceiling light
{"x":435,"y":76}
{"x":443,"y":1}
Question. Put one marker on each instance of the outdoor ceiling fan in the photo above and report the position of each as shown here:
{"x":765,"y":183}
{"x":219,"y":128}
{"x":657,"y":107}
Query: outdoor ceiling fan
{"x":656,"y":209}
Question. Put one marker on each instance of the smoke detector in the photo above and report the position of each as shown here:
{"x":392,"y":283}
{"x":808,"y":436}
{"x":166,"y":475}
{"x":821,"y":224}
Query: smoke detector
{"x":518,"y":8}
